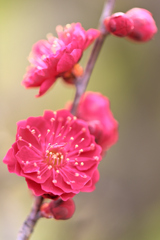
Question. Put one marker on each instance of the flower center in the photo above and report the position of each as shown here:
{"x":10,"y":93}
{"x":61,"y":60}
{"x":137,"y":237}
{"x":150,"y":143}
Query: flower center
{"x":54,"y":157}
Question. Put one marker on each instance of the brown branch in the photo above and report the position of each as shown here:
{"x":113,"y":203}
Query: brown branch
{"x":82,"y":82}
{"x":28,"y":225}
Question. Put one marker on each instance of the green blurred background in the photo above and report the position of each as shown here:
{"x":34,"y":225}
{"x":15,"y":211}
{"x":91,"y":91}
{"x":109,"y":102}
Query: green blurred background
{"x":126,"y":202}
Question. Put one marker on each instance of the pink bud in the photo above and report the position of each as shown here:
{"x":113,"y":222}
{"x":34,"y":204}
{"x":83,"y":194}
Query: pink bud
{"x":119,"y":24}
{"x":144,"y":25}
{"x":62,"y":210}
{"x":59,"y":209}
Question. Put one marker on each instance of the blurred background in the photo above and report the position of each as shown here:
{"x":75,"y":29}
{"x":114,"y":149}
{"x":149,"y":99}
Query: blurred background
{"x":126,"y":202}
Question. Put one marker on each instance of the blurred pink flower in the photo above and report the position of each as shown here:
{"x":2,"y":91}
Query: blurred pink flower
{"x":58,"y":209}
{"x":144,"y":25}
{"x":119,"y":24}
{"x":94,"y":108}
{"x":54,"y":57}
{"x":56,"y":154}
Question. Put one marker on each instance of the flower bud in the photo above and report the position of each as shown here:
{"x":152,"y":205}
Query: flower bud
{"x":62,"y":209}
{"x":59,"y":209}
{"x":119,"y":24}
{"x":144,"y":25}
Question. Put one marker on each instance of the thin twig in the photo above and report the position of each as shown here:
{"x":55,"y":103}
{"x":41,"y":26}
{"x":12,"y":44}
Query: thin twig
{"x":82,"y":82}
{"x":28,"y":225}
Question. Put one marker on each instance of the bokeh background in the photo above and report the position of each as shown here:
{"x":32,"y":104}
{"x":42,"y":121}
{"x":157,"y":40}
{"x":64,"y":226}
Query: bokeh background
{"x":126,"y":202}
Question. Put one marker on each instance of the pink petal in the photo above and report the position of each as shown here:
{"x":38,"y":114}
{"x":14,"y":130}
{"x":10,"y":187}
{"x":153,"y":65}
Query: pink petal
{"x":11,"y":161}
{"x":35,"y":187}
{"x":91,"y":35}
{"x":65,"y":63}
{"x":76,"y":54}
{"x":90,"y":186}
{"x":49,"y":186}
{"x":66,"y":196}
{"x":45,"y":86}
{"x":28,"y":138}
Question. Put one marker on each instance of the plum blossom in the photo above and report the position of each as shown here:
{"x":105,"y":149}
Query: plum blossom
{"x":144,"y":25}
{"x":56,"y":154}
{"x":57,"y":57}
{"x":94,"y":108}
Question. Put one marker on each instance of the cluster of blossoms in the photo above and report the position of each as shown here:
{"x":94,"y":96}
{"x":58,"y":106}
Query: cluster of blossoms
{"x":58,"y":154}
{"x":137,"y":24}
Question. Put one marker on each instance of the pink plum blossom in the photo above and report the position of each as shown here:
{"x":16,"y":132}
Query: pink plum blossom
{"x":53,"y":57}
{"x":56,"y":154}
{"x":94,"y":108}
{"x":144,"y":25}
